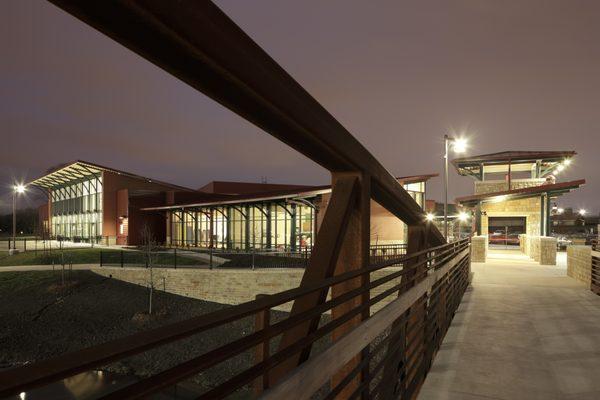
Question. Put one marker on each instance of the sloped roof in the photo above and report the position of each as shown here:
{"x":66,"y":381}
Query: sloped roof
{"x":514,"y":156}
{"x":80,"y":169}
{"x":282,"y":194}
{"x":553,"y":189}
{"x":229,"y":187}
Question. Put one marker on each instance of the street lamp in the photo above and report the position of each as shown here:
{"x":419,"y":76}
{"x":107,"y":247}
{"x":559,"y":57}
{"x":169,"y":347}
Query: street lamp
{"x":459,"y":145}
{"x":429,"y":217}
{"x":582,"y":212}
{"x":17,"y":189}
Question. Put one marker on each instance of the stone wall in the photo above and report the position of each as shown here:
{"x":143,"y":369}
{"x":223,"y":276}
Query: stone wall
{"x":529,"y":208}
{"x":579,"y":263}
{"x":501,"y":186}
{"x":541,"y":248}
{"x":479,"y":248}
{"x":230,"y":286}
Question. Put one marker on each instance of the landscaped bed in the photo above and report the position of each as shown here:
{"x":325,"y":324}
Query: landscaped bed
{"x":41,"y":319}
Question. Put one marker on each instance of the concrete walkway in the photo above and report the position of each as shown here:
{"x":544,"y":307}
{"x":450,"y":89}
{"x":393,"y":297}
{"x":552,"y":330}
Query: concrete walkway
{"x":523,"y":331}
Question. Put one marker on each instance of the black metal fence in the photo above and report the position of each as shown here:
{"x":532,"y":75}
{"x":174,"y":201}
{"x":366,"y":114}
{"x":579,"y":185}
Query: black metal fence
{"x":163,"y":258}
{"x":387,"y":252}
{"x":52,"y":244}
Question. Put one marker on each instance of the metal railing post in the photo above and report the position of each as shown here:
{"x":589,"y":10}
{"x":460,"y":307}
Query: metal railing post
{"x":175,"y":258}
{"x":261,"y":351}
{"x":210,"y":262}
{"x":121,"y":258}
{"x":100,"y":257}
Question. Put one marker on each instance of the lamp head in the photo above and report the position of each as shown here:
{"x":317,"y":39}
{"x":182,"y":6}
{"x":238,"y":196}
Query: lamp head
{"x":20,"y":188}
{"x":459,"y":145}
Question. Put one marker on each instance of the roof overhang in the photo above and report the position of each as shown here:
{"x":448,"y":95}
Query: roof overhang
{"x":552,"y":190}
{"x":79,"y":170}
{"x":519,"y":161}
{"x":244,"y":200}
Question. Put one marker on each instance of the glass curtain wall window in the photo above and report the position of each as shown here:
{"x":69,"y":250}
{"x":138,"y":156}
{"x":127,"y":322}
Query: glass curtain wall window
{"x":76,"y":209}
{"x":282,"y":226}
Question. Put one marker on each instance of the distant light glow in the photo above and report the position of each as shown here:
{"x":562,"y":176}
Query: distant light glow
{"x":556,"y":171}
{"x":22,"y":395}
{"x":463,"y":216}
{"x":560,"y":167}
{"x":567,"y":161}
{"x":19,"y":188}
{"x":582,"y":211}
{"x":560,"y":210}
{"x":459,"y":145}
{"x":430,"y":217}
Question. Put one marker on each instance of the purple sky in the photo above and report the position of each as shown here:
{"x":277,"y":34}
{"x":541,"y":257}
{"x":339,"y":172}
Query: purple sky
{"x":513,"y":75}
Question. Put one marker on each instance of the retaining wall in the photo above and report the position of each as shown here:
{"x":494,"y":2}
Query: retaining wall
{"x":229,"y":286}
{"x":579,"y":263}
{"x":541,"y":248}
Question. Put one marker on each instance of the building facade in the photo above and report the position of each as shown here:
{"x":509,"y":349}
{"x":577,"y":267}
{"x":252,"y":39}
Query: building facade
{"x":263,"y":218}
{"x":513,"y":192}
{"x":91,"y":203}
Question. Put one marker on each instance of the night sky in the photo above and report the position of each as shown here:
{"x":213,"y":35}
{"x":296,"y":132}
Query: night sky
{"x":511,"y":75}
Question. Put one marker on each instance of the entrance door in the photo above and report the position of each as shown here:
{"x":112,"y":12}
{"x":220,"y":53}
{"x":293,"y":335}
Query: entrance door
{"x":503,"y":232}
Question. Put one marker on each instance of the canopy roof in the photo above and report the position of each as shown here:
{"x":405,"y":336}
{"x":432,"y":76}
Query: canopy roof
{"x":540,"y":163}
{"x":77,"y":170}
{"x":552,"y":190}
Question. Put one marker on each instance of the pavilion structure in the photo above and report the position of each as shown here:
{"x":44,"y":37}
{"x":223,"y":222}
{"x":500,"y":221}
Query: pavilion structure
{"x":514,"y":191}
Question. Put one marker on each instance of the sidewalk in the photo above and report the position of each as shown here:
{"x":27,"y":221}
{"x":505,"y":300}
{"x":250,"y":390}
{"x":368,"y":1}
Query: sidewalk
{"x":523,"y":331}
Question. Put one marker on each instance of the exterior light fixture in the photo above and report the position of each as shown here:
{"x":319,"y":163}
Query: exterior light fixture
{"x":459,"y":145}
{"x":18,"y":188}
{"x":430,"y":217}
{"x":582,"y":211}
{"x":567,"y":161}
{"x":463,"y":216}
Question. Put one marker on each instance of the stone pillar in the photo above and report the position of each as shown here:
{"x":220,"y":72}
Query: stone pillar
{"x":479,"y":248}
{"x":547,"y":255}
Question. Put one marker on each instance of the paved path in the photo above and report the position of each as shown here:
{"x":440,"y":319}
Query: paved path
{"x":523,"y":331}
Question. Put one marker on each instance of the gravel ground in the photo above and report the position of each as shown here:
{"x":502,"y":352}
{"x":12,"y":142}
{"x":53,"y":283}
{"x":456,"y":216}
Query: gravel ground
{"x":40,"y":320}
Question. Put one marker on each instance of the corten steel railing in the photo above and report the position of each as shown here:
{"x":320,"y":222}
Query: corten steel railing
{"x":398,"y":342}
{"x":595,"y":278}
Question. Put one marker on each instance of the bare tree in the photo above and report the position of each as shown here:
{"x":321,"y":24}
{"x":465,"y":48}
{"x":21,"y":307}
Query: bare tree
{"x":149,"y":249}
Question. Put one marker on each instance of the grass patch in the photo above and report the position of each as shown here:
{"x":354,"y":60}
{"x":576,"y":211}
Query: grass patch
{"x":92,"y":256}
{"x":75,"y":256}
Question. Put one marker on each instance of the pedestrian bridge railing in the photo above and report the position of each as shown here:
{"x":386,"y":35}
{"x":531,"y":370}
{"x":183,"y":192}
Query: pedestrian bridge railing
{"x":595,"y":274}
{"x":396,"y":343}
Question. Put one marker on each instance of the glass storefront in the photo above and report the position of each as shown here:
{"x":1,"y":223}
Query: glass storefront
{"x":283,"y":226}
{"x":76,"y":209}
{"x":277,"y":224}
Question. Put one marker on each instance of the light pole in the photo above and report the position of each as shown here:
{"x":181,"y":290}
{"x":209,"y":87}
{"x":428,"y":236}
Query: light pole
{"x":17,"y":189}
{"x":459,"y":146}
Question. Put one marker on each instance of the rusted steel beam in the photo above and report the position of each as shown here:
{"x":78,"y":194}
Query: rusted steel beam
{"x":321,"y":265}
{"x":354,"y":255}
{"x":196,"y":42}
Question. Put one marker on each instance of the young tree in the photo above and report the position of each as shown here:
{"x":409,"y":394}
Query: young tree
{"x":149,"y":250}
